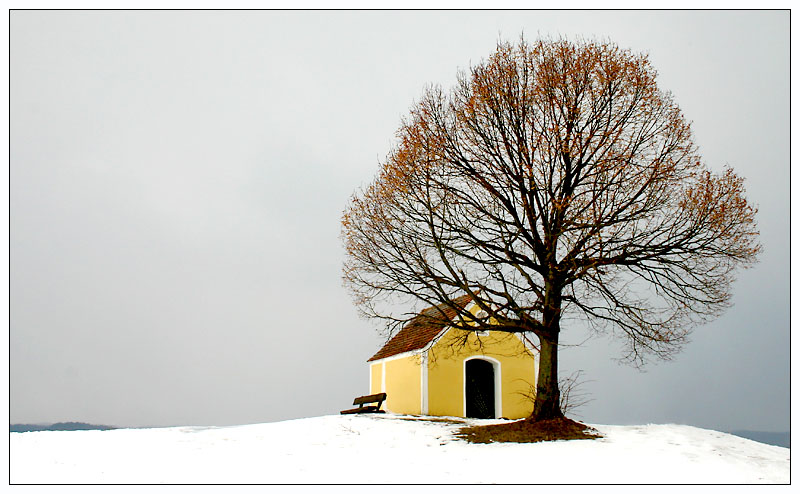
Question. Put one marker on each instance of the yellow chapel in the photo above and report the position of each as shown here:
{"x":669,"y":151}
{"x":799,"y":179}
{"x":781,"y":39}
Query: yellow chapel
{"x":431,"y":368}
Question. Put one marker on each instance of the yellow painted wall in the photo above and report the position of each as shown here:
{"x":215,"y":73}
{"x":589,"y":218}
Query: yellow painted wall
{"x":446,"y":372}
{"x":445,"y":368}
{"x":376,"y":370}
{"x":403,"y":385}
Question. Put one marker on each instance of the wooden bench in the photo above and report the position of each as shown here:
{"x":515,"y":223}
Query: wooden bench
{"x":362,"y":400}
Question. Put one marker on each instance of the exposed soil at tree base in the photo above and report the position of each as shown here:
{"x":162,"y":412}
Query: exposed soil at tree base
{"x":529,"y":431}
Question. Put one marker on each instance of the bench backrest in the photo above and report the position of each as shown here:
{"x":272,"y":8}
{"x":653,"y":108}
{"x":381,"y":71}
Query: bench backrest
{"x":369,"y":399}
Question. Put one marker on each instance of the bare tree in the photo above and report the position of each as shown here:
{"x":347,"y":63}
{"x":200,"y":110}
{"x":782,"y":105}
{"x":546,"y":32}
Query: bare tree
{"x":554,"y":179}
{"x":572,"y":394}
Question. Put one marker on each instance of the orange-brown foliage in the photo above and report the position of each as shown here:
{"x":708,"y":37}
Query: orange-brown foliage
{"x":555,"y":178}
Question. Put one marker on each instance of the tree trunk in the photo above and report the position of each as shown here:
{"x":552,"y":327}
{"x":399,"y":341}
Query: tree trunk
{"x":547,"y":404}
{"x":548,"y":398}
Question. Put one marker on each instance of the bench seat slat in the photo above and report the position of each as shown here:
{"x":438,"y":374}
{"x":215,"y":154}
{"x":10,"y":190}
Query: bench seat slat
{"x":369,"y":399}
{"x":361,"y":400}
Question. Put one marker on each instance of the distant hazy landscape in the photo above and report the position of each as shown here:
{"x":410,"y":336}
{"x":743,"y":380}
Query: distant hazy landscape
{"x":782,"y":439}
{"x":59,"y":426}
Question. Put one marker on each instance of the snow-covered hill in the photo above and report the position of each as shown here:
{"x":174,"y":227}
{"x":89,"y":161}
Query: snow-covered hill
{"x":387,"y":449}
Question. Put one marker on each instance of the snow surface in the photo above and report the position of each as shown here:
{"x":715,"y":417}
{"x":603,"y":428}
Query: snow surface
{"x":387,"y":449}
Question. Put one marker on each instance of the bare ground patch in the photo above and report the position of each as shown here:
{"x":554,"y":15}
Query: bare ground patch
{"x":528,"y":431}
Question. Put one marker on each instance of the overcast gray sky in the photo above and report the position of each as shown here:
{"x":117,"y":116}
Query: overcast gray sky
{"x":177,"y":181}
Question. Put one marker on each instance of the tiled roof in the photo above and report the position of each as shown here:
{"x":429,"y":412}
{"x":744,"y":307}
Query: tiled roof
{"x":419,"y":331}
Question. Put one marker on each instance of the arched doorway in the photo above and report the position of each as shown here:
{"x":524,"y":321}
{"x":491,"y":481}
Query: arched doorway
{"x":479,"y":389}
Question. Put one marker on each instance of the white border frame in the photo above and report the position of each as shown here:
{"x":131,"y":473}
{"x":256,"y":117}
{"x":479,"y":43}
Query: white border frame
{"x":498,"y":389}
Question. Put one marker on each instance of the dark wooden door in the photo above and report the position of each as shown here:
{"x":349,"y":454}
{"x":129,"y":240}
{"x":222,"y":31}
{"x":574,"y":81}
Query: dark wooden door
{"x":480,"y":389}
